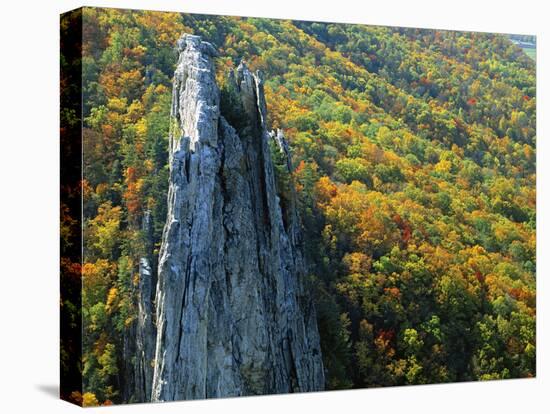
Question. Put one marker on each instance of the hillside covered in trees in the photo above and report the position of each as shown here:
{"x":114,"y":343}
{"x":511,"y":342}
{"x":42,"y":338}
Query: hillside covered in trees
{"x":413,"y":155}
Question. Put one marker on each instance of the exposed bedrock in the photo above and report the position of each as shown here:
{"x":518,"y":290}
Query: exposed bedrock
{"x":233,"y":313}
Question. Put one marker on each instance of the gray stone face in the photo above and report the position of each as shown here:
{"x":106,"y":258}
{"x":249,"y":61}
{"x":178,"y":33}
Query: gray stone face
{"x":233,"y":314}
{"x":145,"y":333}
{"x":140,"y":337}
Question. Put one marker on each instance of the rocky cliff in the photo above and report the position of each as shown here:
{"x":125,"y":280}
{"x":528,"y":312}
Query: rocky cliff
{"x":145,"y":328}
{"x":139,"y":339}
{"x":232,"y":313}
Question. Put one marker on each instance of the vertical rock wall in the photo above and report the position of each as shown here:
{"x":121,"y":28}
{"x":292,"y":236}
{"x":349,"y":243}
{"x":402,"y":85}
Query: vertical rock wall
{"x":145,"y":328}
{"x":232,"y":313}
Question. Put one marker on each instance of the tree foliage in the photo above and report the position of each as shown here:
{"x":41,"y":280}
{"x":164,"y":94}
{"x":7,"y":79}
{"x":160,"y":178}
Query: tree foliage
{"x":415,"y":175}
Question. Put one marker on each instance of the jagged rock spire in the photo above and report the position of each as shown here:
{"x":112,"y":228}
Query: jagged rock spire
{"x":196,"y":97}
{"x":233,"y":313}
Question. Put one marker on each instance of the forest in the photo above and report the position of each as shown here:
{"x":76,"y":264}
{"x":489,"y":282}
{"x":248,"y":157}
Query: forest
{"x":414,"y":163}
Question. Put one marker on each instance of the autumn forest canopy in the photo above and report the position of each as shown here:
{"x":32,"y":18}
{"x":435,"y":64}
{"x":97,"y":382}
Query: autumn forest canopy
{"x":413,"y":155}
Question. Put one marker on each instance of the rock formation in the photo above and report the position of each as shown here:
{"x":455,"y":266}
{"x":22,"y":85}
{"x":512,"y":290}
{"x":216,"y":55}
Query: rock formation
{"x":145,"y":329}
{"x":233,"y":315}
{"x":140,"y":337}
